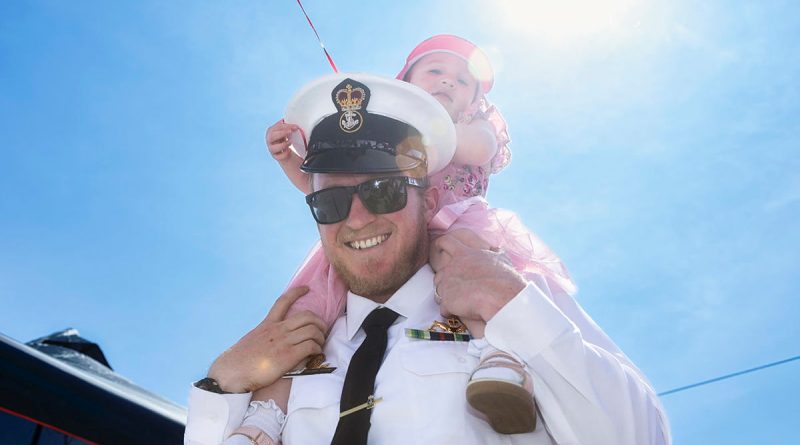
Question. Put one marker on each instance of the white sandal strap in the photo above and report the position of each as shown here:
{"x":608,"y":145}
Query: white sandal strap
{"x":500,"y":359}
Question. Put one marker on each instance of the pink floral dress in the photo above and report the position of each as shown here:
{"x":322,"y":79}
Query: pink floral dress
{"x":462,"y":205}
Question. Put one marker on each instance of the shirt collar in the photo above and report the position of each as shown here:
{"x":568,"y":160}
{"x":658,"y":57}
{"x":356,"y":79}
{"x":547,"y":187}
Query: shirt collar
{"x":407,"y":301}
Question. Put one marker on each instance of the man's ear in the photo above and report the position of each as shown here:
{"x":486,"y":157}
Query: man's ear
{"x":431,"y":198}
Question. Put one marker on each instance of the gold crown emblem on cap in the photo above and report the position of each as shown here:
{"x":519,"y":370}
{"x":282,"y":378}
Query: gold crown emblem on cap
{"x":349,"y":100}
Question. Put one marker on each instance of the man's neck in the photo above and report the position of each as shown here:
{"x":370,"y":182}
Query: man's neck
{"x":383,"y":296}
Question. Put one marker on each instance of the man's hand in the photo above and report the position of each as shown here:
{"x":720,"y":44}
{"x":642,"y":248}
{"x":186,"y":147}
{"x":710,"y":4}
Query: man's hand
{"x":474,"y":280}
{"x":270,"y":350}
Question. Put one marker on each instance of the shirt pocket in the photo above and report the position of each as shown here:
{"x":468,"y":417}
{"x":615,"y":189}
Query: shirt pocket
{"x":315,"y":391}
{"x":435,"y":376}
{"x":429,"y":358}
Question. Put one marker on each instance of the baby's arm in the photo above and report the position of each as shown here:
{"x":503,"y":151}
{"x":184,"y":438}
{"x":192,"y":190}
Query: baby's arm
{"x":265,"y":414}
{"x":278,"y":391}
{"x":477,"y":142}
{"x":277,"y":139}
{"x":261,"y":425}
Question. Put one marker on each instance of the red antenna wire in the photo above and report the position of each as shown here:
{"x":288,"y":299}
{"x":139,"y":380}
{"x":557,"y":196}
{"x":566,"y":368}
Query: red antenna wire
{"x":330,"y":60}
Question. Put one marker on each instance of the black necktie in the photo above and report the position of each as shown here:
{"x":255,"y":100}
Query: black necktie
{"x":359,"y":384}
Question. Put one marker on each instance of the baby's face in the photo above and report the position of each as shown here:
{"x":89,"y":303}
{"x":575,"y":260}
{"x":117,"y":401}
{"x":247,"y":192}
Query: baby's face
{"x":448,"y":79}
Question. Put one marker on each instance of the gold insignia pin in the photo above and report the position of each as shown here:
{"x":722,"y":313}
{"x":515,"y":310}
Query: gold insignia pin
{"x":452,"y":325}
{"x":314,"y":365}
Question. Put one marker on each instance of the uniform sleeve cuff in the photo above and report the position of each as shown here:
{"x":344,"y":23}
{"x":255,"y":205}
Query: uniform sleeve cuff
{"x":528,"y":324}
{"x":213,"y":417}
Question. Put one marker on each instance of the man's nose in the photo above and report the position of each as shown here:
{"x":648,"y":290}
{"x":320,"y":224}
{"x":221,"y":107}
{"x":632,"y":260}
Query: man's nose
{"x":359,"y":215}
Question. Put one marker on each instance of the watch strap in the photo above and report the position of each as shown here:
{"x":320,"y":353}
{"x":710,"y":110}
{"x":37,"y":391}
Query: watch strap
{"x":210,"y":385}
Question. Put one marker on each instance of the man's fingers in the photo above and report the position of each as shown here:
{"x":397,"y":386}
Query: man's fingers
{"x":307,"y":348}
{"x":444,"y":312}
{"x":471,"y":239}
{"x":307,"y":332}
{"x":304,"y":318}
{"x":437,"y":279}
{"x":284,"y":302}
{"x":450,"y":245}
{"x":438,"y":258}
{"x":455,"y":242}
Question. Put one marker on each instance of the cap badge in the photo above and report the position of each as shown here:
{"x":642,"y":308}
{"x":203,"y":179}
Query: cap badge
{"x":350,"y":100}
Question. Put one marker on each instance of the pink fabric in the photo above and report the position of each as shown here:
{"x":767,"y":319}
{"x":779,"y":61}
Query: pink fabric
{"x":462,"y":189}
{"x":503,"y":229}
{"x":327,"y":294}
{"x":503,"y":155}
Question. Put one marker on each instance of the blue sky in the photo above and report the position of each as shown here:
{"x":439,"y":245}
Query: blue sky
{"x":655,"y":149}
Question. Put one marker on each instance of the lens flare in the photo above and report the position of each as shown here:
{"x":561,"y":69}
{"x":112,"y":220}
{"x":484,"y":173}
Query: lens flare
{"x":562,"y":21}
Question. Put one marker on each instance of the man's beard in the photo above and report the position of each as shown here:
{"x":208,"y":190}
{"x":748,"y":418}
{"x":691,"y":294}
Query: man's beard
{"x":407,"y":263}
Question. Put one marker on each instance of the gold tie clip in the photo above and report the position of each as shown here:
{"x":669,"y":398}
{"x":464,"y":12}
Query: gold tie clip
{"x":371,"y":401}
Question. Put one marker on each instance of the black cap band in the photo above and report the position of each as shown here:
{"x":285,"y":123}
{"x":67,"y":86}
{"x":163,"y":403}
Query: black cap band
{"x":357,"y":141}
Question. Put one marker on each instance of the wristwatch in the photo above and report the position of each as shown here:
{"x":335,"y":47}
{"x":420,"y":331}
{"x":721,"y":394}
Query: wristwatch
{"x":210,"y":385}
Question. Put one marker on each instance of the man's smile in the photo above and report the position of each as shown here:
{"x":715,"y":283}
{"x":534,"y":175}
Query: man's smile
{"x":368,"y":242}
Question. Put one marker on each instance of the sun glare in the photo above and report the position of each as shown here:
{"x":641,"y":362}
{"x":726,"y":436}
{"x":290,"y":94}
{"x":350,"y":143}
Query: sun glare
{"x":563,"y":21}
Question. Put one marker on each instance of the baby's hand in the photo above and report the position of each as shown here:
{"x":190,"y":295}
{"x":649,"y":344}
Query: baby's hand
{"x":277,"y":138}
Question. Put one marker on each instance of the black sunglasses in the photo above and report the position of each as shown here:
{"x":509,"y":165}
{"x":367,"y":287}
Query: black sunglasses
{"x":379,"y":195}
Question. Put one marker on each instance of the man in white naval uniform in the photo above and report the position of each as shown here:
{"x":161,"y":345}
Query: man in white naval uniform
{"x":586,"y":390}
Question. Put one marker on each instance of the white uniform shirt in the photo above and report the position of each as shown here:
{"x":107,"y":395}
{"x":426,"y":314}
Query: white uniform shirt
{"x":586,"y":390}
